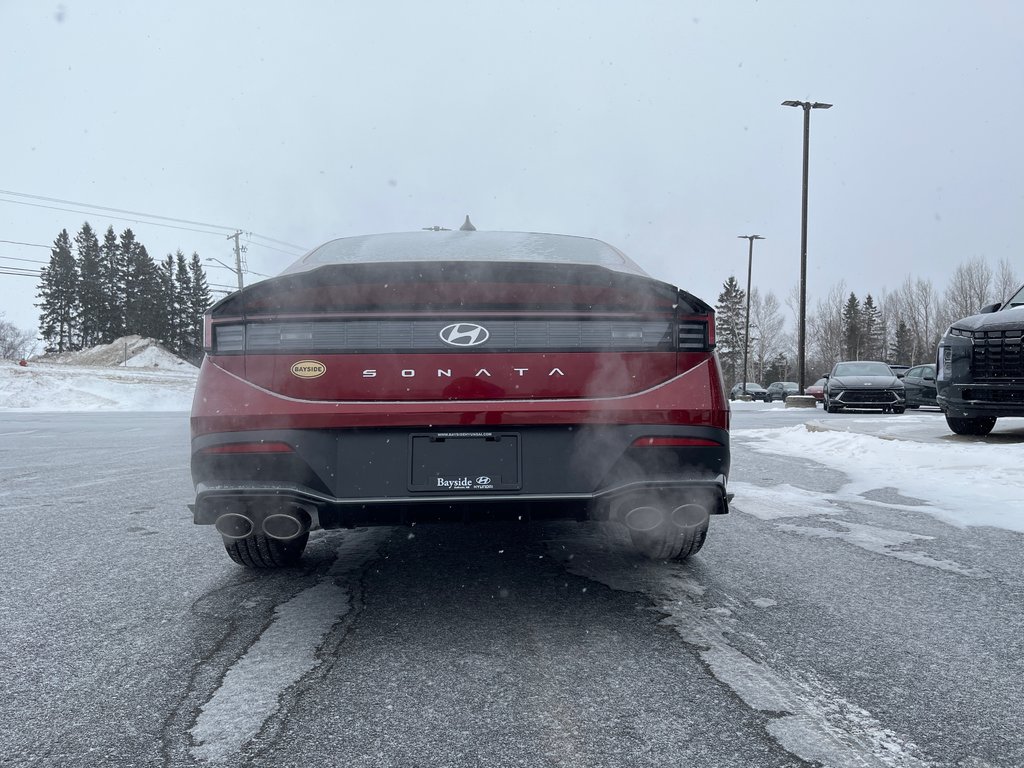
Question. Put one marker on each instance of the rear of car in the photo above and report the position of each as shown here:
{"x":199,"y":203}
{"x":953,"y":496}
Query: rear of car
{"x":980,"y":368}
{"x":458,"y":376}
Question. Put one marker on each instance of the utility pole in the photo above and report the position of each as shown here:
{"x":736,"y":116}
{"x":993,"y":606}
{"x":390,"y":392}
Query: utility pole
{"x":238,"y":257}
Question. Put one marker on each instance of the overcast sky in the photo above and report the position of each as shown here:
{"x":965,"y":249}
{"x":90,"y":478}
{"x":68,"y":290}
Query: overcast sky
{"x":655,"y":126}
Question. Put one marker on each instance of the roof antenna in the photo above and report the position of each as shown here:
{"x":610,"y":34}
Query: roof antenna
{"x":467,"y":225}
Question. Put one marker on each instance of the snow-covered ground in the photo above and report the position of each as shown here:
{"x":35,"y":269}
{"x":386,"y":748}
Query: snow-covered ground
{"x":131,"y":374}
{"x":963,"y":481}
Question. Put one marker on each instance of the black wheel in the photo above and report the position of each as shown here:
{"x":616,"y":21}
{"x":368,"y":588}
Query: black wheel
{"x":831,"y":408}
{"x":660,"y":532}
{"x":966,"y":426}
{"x":259,"y":551}
{"x":898,"y":409}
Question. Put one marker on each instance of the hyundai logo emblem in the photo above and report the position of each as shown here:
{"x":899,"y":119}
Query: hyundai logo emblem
{"x":464,"y":334}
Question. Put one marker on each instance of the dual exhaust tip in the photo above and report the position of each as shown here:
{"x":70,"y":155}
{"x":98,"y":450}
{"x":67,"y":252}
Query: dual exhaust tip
{"x":283,"y":526}
{"x":648,"y":517}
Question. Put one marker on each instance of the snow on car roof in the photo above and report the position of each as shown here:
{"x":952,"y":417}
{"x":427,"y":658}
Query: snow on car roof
{"x":467,"y":246}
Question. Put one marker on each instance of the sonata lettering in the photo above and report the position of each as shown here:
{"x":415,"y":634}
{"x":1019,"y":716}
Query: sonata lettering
{"x":446,"y":373}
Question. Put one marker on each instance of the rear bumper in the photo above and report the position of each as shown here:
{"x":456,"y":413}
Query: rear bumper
{"x":357,"y":477}
{"x":260,"y":501}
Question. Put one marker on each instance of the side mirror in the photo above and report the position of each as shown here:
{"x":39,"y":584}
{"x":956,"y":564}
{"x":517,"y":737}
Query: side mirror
{"x":990,"y":308}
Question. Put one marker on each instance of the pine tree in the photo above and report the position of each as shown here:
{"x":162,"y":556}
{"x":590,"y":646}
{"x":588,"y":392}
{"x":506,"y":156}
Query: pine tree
{"x":167,"y":309}
{"x":58,"y":289}
{"x":903,"y":346}
{"x":91,"y":297}
{"x":183,"y":322}
{"x":872,"y":329}
{"x":729,"y":317}
{"x":112,"y":274}
{"x":198,"y":302}
{"x":852,"y":327}
{"x":145,"y":304}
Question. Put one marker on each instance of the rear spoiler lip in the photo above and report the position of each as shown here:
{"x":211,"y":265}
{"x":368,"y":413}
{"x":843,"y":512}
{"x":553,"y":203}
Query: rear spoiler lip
{"x":234,"y":304}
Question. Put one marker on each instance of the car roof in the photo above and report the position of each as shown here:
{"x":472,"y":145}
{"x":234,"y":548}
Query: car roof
{"x":467,"y":246}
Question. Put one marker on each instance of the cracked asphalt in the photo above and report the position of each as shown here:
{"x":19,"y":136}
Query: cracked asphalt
{"x":782,"y":643}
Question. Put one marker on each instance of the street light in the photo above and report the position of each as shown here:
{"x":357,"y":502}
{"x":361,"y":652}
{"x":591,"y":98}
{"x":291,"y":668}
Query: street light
{"x":746,"y":323}
{"x":238,"y":272}
{"x":807,"y":106}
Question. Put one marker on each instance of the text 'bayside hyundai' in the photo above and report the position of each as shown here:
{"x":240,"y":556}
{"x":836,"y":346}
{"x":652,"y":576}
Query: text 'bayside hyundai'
{"x":437,"y":376}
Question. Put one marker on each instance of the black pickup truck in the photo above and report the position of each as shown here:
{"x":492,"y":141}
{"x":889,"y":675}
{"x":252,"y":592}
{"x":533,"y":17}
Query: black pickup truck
{"x":980,"y":367}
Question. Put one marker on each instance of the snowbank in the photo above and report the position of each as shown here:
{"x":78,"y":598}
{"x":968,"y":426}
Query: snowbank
{"x":130,"y":374}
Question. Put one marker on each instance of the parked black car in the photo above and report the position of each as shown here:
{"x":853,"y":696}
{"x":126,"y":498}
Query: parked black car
{"x":756,"y":391}
{"x":864,"y":384}
{"x":780,"y":390}
{"x":919,"y":384}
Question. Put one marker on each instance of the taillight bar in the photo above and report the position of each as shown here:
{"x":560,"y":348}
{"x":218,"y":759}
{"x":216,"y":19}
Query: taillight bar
{"x":675,"y":442}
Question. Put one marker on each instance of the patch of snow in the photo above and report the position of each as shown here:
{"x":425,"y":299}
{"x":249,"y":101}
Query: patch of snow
{"x":131,"y":374}
{"x":944,"y":475}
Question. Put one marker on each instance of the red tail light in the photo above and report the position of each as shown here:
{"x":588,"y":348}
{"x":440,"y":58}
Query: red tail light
{"x":675,"y":442}
{"x":261,"y":447}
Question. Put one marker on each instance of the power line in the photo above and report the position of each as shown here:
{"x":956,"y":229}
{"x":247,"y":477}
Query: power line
{"x":107,"y":208}
{"x":13,"y":193}
{"x":19,"y":271}
{"x":116,"y":218}
{"x":34,"y":245}
{"x":15,"y":258}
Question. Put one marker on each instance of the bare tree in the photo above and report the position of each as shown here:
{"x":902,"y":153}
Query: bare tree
{"x":15,"y":343}
{"x":970,"y":288}
{"x":921,"y":310}
{"x":1006,"y":281}
{"x":769,"y":340}
{"x":826,"y":330}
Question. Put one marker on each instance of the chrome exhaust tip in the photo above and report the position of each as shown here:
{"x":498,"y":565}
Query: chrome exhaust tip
{"x":234,"y":526}
{"x":285,"y":526}
{"x":689,"y":515}
{"x":644,"y":518}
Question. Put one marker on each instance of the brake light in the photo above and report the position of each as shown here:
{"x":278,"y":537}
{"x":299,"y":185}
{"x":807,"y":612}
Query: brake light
{"x":675,"y":442}
{"x":261,"y":447}
{"x":696,"y":334}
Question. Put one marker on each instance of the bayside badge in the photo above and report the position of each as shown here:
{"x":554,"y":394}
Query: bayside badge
{"x":308,"y":369}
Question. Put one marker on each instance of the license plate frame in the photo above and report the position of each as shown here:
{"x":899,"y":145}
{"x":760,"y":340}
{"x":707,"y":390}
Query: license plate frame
{"x":465,"y":462}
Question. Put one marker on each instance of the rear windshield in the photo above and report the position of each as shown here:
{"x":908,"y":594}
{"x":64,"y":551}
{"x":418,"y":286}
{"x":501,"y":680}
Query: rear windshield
{"x":467,"y":246}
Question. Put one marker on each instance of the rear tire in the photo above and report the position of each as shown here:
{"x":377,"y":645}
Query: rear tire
{"x":261,"y":552}
{"x":966,"y":426}
{"x":898,"y":409}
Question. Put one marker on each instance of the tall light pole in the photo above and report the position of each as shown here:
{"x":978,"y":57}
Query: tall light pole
{"x":807,"y":106}
{"x":746,"y":323}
